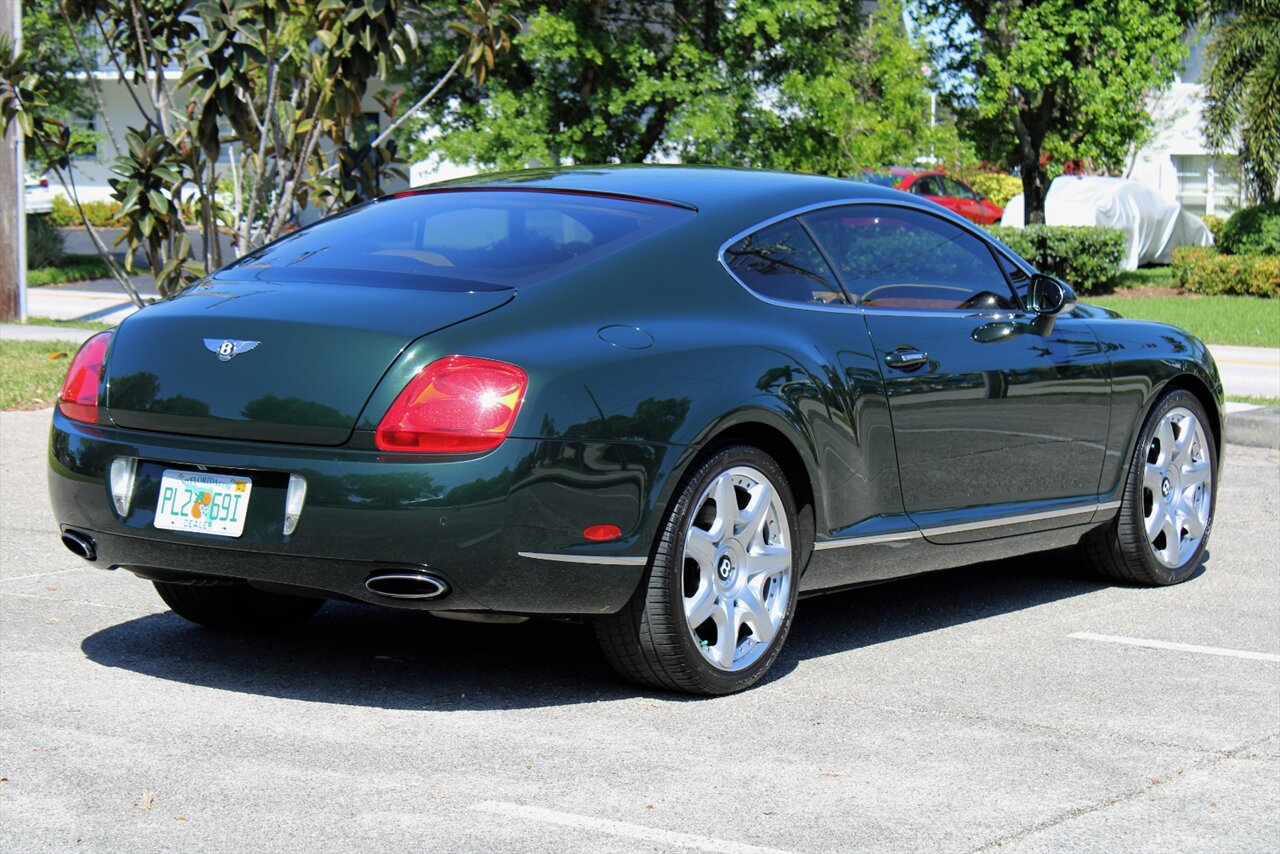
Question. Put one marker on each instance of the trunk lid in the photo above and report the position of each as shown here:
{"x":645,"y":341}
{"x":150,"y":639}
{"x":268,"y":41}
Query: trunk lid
{"x":273,"y":358}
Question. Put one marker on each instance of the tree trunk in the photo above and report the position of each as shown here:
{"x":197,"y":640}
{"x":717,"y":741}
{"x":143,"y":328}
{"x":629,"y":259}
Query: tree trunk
{"x":11,"y":180}
{"x":1035,"y":186}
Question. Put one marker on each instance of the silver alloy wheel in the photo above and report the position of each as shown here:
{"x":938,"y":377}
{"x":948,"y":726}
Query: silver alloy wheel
{"x":1177,"y":487}
{"x":737,"y":568}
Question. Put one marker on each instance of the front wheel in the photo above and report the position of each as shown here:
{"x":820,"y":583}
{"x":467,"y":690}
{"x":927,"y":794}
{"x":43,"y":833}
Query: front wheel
{"x":1166,"y":513}
{"x":718,"y":598}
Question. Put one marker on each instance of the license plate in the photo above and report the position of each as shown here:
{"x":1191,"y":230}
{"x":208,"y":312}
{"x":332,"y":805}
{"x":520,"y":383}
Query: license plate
{"x":204,"y":503}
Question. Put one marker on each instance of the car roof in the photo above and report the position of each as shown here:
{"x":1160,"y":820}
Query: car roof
{"x":709,"y":189}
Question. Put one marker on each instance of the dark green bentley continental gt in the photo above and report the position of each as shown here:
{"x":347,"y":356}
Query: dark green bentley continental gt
{"x":668,"y":400}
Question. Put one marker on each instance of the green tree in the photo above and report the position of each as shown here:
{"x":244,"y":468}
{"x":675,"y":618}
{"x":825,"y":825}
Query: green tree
{"x":280,"y":81}
{"x":798,"y":84}
{"x":1242,"y":94}
{"x":1071,"y":77}
{"x":52,"y":55}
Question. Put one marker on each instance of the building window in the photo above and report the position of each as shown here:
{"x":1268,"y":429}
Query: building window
{"x":84,"y":138}
{"x":1208,"y":185}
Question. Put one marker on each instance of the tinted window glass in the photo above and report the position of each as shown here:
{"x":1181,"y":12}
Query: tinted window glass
{"x":891,"y":257}
{"x":960,"y":191}
{"x":925,"y":187}
{"x":781,"y":262}
{"x":496,"y":236}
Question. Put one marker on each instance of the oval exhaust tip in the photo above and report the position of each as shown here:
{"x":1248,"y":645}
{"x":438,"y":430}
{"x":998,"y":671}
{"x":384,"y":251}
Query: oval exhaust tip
{"x":406,"y":585}
{"x":80,"y":545}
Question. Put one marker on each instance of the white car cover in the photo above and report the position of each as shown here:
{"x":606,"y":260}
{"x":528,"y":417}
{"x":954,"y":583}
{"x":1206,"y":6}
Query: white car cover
{"x":1153,"y":225}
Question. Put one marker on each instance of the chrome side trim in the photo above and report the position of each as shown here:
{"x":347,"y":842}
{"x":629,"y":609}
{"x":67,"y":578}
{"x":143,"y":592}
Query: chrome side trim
{"x":602,"y":560}
{"x":897,"y":536}
{"x":1011,"y":520}
{"x":871,"y":540}
{"x":1110,"y":505}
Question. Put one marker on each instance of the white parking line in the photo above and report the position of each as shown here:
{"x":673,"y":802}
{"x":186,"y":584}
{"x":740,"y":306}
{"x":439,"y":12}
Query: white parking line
{"x":1178,"y":647}
{"x":620,"y":828}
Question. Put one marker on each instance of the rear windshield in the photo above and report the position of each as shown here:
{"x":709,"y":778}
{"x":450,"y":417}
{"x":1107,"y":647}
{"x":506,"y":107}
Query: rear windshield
{"x":503,"y":237}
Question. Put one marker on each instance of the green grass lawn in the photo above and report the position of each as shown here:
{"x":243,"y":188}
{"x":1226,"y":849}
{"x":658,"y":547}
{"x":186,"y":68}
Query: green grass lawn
{"x":31,"y":372}
{"x":1147,"y":277}
{"x":1250,"y":321}
{"x":67,"y":324}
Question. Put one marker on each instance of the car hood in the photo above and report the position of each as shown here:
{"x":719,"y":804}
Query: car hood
{"x":264,"y":358}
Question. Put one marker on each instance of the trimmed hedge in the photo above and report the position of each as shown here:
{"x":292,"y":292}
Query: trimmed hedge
{"x":44,"y":243}
{"x":73,"y":268}
{"x":1252,"y":231}
{"x":998,"y":188}
{"x":1086,"y":257}
{"x":99,"y":214}
{"x":1215,"y":224}
{"x":1204,"y":270}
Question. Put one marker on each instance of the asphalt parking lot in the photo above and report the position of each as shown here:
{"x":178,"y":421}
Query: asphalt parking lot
{"x":1015,"y":706}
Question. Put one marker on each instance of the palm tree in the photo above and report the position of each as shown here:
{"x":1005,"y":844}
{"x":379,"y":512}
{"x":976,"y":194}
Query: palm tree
{"x":1243,"y":89}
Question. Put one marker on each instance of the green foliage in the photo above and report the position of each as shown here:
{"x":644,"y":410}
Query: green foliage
{"x":1057,"y":79}
{"x":44,"y":243}
{"x":808,"y":85}
{"x":101,"y":214}
{"x":1214,"y":223}
{"x":1242,"y":90}
{"x":998,"y":187}
{"x":72,"y":268}
{"x":1086,"y":257}
{"x":1252,"y":231}
{"x":1203,"y":270}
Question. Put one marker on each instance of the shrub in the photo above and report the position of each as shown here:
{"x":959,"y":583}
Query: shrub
{"x":1214,"y":224}
{"x":998,"y":188}
{"x":100,"y":214}
{"x":1086,"y":257}
{"x":1204,"y":270}
{"x":74,"y":268}
{"x":44,"y":243}
{"x":1253,"y":231}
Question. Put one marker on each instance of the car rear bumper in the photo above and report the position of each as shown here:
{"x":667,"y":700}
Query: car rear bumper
{"x":503,"y":531}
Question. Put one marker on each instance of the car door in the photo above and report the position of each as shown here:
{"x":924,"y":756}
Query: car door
{"x":966,"y":201}
{"x":999,"y":422}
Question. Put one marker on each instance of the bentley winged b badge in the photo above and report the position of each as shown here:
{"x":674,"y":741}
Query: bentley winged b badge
{"x":228,"y":348}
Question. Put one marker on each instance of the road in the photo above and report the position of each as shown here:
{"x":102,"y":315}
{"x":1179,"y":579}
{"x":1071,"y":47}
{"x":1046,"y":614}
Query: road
{"x":999,"y":707}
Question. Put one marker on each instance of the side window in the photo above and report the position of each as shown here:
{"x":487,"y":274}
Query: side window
{"x":925,"y":187}
{"x":891,"y":257}
{"x":780,"y":262}
{"x":960,"y":191}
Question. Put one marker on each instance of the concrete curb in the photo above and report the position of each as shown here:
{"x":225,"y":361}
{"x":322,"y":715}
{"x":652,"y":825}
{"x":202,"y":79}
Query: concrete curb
{"x":1258,"y":428}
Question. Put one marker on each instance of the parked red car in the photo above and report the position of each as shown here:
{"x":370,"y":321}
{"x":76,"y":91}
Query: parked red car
{"x":951,"y":194}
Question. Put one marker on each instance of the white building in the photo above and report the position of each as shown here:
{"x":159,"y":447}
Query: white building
{"x":91,"y":171}
{"x":1176,"y":162}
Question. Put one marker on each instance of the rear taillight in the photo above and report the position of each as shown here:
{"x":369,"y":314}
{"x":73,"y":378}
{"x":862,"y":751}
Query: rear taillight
{"x":78,"y":398}
{"x":456,"y":405}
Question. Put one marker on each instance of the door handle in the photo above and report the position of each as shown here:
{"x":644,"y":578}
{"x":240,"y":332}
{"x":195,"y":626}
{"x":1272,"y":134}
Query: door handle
{"x":906,"y":358}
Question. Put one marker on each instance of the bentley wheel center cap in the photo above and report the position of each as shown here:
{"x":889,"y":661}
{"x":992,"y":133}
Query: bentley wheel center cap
{"x":1164,"y":487}
{"x":725,"y":569}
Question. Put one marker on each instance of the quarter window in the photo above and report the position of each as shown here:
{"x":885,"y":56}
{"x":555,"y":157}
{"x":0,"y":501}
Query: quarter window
{"x":781,"y":262}
{"x":891,"y":257}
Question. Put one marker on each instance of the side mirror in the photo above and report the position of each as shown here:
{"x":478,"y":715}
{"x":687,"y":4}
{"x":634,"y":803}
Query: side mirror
{"x":1047,"y":296}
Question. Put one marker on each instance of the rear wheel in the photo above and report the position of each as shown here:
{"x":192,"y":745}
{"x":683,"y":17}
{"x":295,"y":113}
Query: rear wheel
{"x":717,"y":600}
{"x":1166,"y":513}
{"x":239,"y":607}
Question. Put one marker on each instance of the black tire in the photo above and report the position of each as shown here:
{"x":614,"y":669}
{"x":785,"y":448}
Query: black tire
{"x":649,"y":641}
{"x":236,"y":608}
{"x":1120,"y":550}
